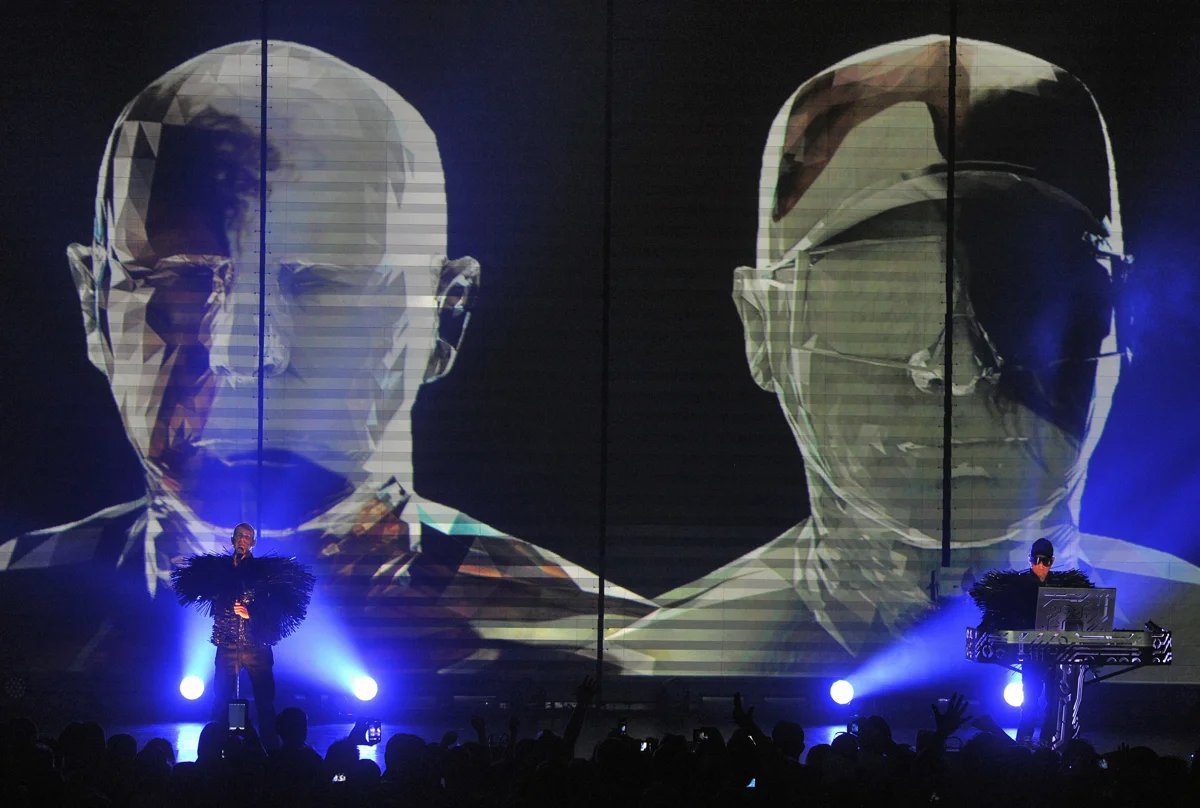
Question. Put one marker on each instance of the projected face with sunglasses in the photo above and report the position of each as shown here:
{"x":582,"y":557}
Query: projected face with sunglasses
{"x":854,"y":332}
{"x":935,"y":302}
{"x":846,"y":319}
{"x":340,"y":309}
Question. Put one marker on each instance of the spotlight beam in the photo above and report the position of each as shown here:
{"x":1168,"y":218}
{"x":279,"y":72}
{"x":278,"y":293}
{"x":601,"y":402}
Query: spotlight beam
{"x":841,"y":691}
{"x":364,"y":688}
{"x":192,"y":687}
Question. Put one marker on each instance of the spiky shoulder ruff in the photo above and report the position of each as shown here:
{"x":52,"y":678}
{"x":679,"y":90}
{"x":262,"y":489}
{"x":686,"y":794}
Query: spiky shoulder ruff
{"x":998,"y":582}
{"x":277,"y":590}
{"x":1008,"y":598}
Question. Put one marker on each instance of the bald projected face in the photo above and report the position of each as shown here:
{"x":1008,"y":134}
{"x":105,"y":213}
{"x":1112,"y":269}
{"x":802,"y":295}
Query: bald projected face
{"x":355,"y":235}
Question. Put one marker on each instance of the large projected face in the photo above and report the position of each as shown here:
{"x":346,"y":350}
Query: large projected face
{"x":338,"y":317}
{"x":846,"y":315}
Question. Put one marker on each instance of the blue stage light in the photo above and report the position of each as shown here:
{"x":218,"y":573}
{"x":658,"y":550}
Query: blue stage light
{"x":322,"y":652}
{"x":841,"y":691}
{"x":195,"y":650}
{"x":364,"y":688}
{"x":1014,"y":693}
{"x":929,"y":655}
{"x":192,"y":687}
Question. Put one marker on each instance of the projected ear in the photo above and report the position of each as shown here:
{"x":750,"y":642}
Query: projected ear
{"x":751,"y":289}
{"x":83,"y":272}
{"x":457,"y":286}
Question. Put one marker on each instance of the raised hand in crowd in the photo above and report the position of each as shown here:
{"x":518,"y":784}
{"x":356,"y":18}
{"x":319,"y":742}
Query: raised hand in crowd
{"x":585,"y":694}
{"x":954,"y":716}
{"x":744,"y":718}
{"x":358,"y":733}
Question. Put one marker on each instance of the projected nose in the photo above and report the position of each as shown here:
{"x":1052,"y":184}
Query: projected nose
{"x":973,"y":358}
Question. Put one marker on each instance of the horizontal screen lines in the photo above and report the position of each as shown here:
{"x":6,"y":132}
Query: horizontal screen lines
{"x":335,"y":252}
{"x":429,"y":218}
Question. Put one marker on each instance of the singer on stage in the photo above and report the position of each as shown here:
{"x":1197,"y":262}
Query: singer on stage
{"x":254,"y":603}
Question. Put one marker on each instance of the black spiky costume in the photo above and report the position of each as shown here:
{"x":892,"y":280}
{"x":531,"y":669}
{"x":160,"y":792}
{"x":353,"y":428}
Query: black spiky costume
{"x":275,"y":591}
{"x":1008,"y":599}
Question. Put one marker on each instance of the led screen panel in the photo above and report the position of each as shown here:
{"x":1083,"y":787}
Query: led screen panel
{"x":741,"y":343}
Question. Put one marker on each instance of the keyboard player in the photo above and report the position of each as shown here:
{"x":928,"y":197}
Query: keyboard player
{"x":1009,"y":601}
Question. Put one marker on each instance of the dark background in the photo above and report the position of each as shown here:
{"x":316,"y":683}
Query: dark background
{"x":602,"y":163}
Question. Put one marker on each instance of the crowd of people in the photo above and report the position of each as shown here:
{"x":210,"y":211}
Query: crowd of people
{"x":750,"y":767}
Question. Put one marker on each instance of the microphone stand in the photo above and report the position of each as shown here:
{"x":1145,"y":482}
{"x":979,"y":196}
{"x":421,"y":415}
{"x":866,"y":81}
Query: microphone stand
{"x":237,"y":664}
{"x":237,"y":668}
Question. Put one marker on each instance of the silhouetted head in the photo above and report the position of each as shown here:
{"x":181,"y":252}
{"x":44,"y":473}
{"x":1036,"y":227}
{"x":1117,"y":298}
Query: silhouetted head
{"x":788,"y":737}
{"x":404,"y":756}
{"x":122,"y":748}
{"x":292,"y":725}
{"x":161,"y":749}
{"x":211,"y":743}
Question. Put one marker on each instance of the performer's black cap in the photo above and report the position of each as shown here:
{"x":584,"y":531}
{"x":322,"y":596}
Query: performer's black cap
{"x":1042,"y":547}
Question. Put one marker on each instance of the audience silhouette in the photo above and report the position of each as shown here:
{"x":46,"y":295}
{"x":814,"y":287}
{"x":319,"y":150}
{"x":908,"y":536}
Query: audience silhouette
{"x":865,"y":766}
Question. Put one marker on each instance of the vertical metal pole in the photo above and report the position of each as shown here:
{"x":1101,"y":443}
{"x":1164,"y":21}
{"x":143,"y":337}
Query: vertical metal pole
{"x":948,"y":338}
{"x":606,"y":292}
{"x":262,"y":268}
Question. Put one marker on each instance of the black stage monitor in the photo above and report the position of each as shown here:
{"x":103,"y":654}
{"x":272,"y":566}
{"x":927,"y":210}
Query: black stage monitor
{"x":1075,"y":609}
